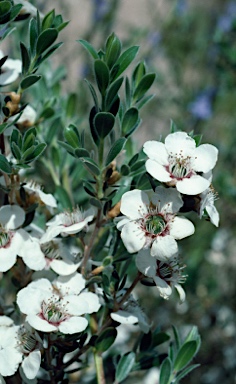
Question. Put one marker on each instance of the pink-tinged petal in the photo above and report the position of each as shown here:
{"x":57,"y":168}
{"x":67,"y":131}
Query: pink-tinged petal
{"x":146,"y":263}
{"x":133,"y":237}
{"x":181,"y":227}
{"x":181,"y":292}
{"x":192,"y":186}
{"x":73,"y":324}
{"x":40,"y":324}
{"x":168,"y":199}
{"x":205,"y":158}
{"x":213,"y":214}
{"x":164,"y":288}
{"x":134,"y":204}
{"x":164,"y":247}
{"x":156,"y":150}
{"x":180,"y":144}
{"x":31,"y":364}
{"x":157,"y":171}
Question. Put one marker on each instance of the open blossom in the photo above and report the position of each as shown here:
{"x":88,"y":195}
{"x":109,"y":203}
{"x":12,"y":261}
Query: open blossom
{"x":178,"y":162}
{"x":68,"y":223}
{"x":57,"y":306}
{"x":10,"y":357}
{"x":10,"y":70}
{"x":150,"y":221}
{"x":166,"y":274}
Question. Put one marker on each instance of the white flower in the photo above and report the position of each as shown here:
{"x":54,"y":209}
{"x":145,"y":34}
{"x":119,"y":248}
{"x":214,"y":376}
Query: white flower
{"x":10,"y":70}
{"x":166,"y":274}
{"x":180,"y":163}
{"x":151,"y":221}
{"x":10,"y":357}
{"x":57,"y":306}
{"x":68,"y":223}
{"x":131,"y":313}
{"x":208,"y":198}
{"x":27,"y":119}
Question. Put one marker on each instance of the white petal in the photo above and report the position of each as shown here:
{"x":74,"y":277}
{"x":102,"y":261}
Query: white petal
{"x":179,"y":143}
{"x":69,"y":285}
{"x":73,"y":325}
{"x":205,"y":158}
{"x":213,"y":214}
{"x":164,"y":247}
{"x":8,"y":77}
{"x":134,"y":204}
{"x":193,"y":185}
{"x":164,"y":288}
{"x":40,"y":324}
{"x":157,"y":171}
{"x":168,"y":199}
{"x":10,"y":359}
{"x":156,"y":150}
{"x":124,"y":317}
{"x":51,"y":233}
{"x":146,"y":263}
{"x":48,"y":199}
{"x":181,"y":227}
{"x":133,"y":237}
{"x":12,"y":216}
{"x":181,"y":292}
{"x":64,"y":267}
{"x":7,"y":258}
{"x":92,"y":300}
{"x":5,"y":321}
{"x":31,"y":364}
{"x":121,"y":221}
{"x":32,"y":255}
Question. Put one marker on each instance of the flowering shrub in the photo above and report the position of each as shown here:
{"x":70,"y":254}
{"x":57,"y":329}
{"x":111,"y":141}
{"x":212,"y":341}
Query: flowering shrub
{"x":110,"y":219}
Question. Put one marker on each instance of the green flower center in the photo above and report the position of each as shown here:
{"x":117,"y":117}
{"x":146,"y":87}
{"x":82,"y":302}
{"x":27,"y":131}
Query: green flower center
{"x":4,"y":239}
{"x":155,"y":224}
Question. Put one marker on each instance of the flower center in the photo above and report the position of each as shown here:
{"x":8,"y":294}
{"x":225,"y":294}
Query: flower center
{"x":5,"y":238}
{"x":27,"y":341}
{"x":170,"y":272}
{"x":70,"y":218}
{"x":179,"y":167}
{"x":51,"y":250}
{"x":155,"y":224}
{"x":53,"y":312}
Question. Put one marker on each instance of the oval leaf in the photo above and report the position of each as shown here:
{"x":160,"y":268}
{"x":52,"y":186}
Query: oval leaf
{"x":105,"y":339}
{"x":144,"y":86}
{"x":123,"y":62}
{"x":29,"y":80}
{"x":130,"y":119}
{"x":115,"y":150}
{"x":124,"y":366}
{"x":165,"y":371}
{"x":102,"y":75}
{"x":185,"y":355}
{"x":5,"y":165}
{"x":104,"y":122}
{"x":45,"y":40}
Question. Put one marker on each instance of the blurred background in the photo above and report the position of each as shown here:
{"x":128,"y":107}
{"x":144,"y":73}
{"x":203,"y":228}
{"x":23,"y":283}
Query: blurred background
{"x":191,"y":46}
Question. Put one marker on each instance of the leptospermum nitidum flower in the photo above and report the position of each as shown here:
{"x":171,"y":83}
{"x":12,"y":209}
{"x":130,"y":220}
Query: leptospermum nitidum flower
{"x":57,"y":306}
{"x":178,"y":162}
{"x":68,"y":223}
{"x":10,"y":70}
{"x":166,"y":274}
{"x":36,"y":195}
{"x":208,"y":198}
{"x":150,"y":221}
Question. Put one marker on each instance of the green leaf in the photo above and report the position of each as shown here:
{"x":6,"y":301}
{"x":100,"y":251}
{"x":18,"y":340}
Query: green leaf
{"x":5,"y":7}
{"x":25,"y":57}
{"x":48,"y":20}
{"x":67,"y":147}
{"x":144,"y":85}
{"x":186,"y":371}
{"x":144,"y":101}
{"x":146,"y":342}
{"x":16,"y":151}
{"x":130,"y":121}
{"x":160,"y":338}
{"x":115,"y":150}
{"x":29,"y":80}
{"x":185,"y":355}
{"x":102,"y":75}
{"x":81,"y":152}
{"x":50,"y":52}
{"x":105,"y":339}
{"x":93,"y":93}
{"x":16,"y":137}
{"x":127,"y":93}
{"x":112,"y":93}
{"x":7,"y":32}
{"x":113,"y":50}
{"x":38,"y":150}
{"x":138,"y":73}
{"x":45,"y":40}
{"x":33,"y":35}
{"x":72,"y":137}
{"x":165,"y":371}
{"x":5,"y":165}
{"x":71,"y":105}
{"x":123,"y":62}
{"x":177,"y":338}
{"x":15,"y":10}
{"x":125,"y":366}
{"x":3,"y":126}
{"x":89,"y":48}
{"x":104,"y":122}
{"x":91,"y":166}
